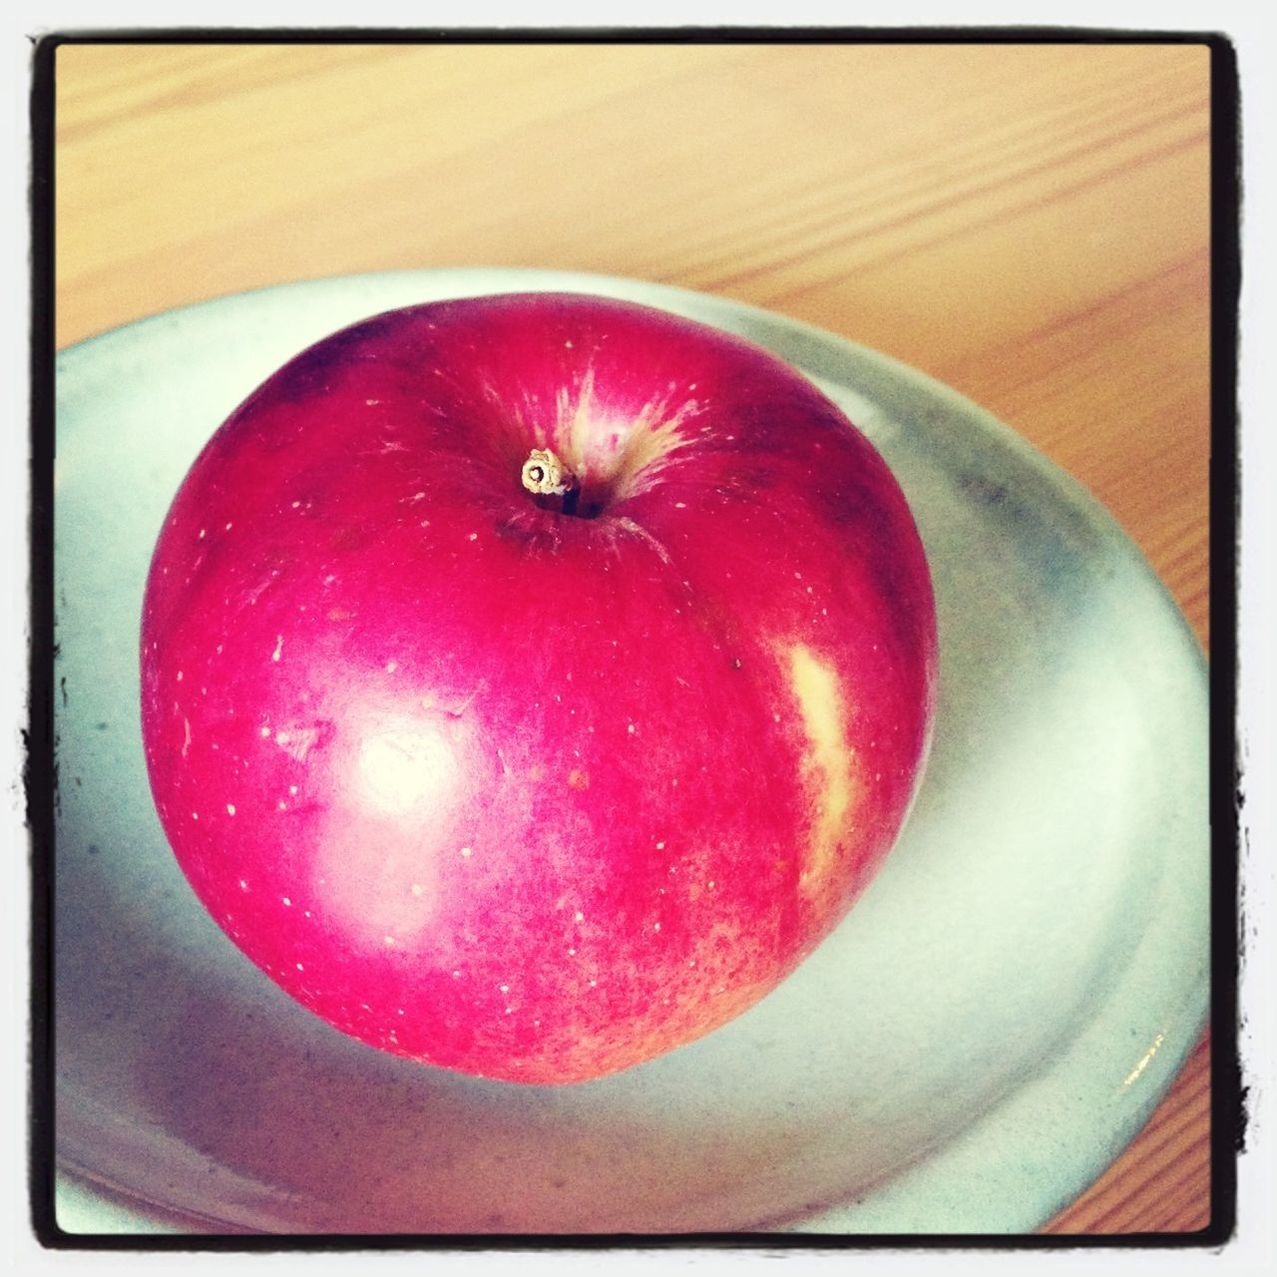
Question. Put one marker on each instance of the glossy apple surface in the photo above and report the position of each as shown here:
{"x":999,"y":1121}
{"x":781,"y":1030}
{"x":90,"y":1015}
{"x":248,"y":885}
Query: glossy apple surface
{"x":528,"y":785}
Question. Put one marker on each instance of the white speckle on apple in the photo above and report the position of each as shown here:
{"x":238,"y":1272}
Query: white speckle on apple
{"x":417,"y":889}
{"x":660,"y":846}
{"x":630,"y":728}
{"x":474,"y":536}
{"x":391,"y":666}
{"x":243,"y":884}
{"x":195,"y":815}
{"x":292,"y":789}
{"x":297,"y":505}
{"x":578,"y":916}
{"x":467,"y":852}
{"x":571,"y":953}
{"x":503,"y":988}
{"x":229,"y":526}
{"x":279,"y":647}
{"x":179,"y":676}
{"x":300,"y":967}
{"x":265,"y":732}
{"x":456,"y":975}
{"x":230,"y":809}
{"x":282,"y":805}
{"x":680,"y":505}
{"x":288,"y":904}
{"x":203,"y":533}
{"x":390,"y":941}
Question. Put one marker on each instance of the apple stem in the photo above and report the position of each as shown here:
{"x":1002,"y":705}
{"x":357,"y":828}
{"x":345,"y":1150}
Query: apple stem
{"x":545,"y":475}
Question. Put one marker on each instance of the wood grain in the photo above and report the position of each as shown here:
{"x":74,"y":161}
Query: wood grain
{"x":1028,"y":223}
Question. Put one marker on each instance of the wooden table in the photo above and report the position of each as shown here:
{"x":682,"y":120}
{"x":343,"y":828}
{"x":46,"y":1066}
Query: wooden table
{"x":1027,"y":223}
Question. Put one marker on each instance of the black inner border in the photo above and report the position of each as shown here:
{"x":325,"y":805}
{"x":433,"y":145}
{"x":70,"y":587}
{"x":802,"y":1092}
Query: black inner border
{"x":1226,"y":797}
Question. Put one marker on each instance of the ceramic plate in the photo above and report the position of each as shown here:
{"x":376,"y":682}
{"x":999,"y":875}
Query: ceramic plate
{"x":990,"y":1026}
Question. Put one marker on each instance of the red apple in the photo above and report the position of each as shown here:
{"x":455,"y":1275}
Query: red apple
{"x":531,"y":682}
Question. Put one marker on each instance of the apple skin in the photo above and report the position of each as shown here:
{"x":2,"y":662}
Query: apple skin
{"x":529,"y":794}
